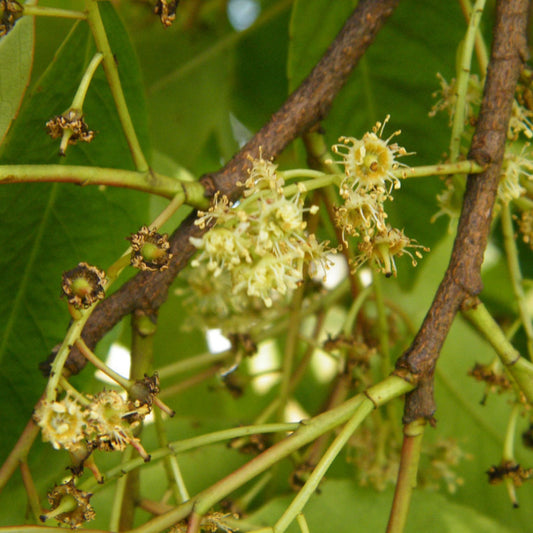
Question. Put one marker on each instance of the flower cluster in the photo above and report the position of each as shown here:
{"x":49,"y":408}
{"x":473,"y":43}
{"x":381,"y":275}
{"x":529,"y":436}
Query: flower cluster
{"x":371,"y":172}
{"x":107,"y":422}
{"x":257,"y":248}
{"x":517,"y":164}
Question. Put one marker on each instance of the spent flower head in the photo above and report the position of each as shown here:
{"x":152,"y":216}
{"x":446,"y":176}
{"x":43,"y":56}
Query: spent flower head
{"x":84,"y":285}
{"x":11,"y":12}
{"x":447,"y":97}
{"x":384,"y":246}
{"x":69,"y":505}
{"x":150,"y":250}
{"x":113,"y":421}
{"x":361,"y":213}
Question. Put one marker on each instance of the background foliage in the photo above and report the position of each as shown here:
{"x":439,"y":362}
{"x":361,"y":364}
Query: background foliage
{"x":196,"y":91}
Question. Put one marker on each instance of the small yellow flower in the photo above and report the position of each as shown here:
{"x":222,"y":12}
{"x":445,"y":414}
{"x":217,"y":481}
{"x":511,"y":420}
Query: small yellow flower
{"x":370,"y":162}
{"x":61,"y":423}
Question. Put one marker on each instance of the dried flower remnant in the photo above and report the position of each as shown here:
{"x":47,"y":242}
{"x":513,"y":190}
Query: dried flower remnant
{"x":113,"y":421}
{"x":383,"y":247}
{"x":513,"y":474}
{"x":508,"y":469}
{"x":69,"y":505}
{"x":150,"y":250}
{"x":210,"y":523}
{"x":166,"y":9}
{"x":62,"y":423}
{"x":71,"y":128}
{"x":84,"y":285}
{"x":447,"y":98}
{"x":525,"y":225}
{"x":11,"y":12}
{"x":361,"y":213}
{"x":493,"y":375}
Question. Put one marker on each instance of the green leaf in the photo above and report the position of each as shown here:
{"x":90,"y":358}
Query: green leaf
{"x":188,"y":83}
{"x":343,"y":507}
{"x":16,"y":58}
{"x":313,"y":27}
{"x":52,"y":227}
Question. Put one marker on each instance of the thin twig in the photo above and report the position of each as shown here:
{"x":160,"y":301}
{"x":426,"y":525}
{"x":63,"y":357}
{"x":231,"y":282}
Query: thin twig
{"x":462,"y":279}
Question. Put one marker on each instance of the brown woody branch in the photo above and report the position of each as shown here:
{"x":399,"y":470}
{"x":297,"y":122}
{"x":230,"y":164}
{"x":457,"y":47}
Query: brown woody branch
{"x":305,"y":107}
{"x":462,"y":279}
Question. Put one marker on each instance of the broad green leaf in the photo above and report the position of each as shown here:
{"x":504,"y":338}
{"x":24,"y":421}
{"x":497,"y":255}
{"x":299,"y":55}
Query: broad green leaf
{"x":52,"y":227}
{"x":312,"y":29}
{"x":188,"y":77}
{"x":260,"y":86}
{"x":343,"y":507}
{"x":16,"y":58}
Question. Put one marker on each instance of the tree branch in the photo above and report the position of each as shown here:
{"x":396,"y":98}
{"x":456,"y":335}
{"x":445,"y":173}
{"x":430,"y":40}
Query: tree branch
{"x":462,"y":279}
{"x":304,"y":108}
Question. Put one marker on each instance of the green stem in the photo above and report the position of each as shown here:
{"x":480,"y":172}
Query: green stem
{"x":308,"y":431}
{"x":192,"y":363}
{"x":56,"y":370}
{"x":289,"y":354}
{"x":481,"y":48}
{"x":91,"y":357}
{"x":185,"y":445}
{"x":511,"y":252}
{"x":321,"y":180}
{"x":31,"y":491}
{"x":458,"y":167}
{"x":521,"y":369}
{"x":71,"y":391}
{"x":523,"y":203}
{"x":191,"y":192}
{"x":41,"y":11}
{"x":383,"y":325}
{"x":354,"y":311}
{"x":463,"y":78}
{"x":296,"y":506}
{"x":508,"y":445}
{"x":244,"y":501}
{"x":120,"y":494}
{"x":407,"y":475}
{"x":102,"y":44}
{"x":19,"y":452}
{"x":301,"y":173}
{"x":81,"y":93}
{"x":302,"y":523}
{"x":172,"y":469}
